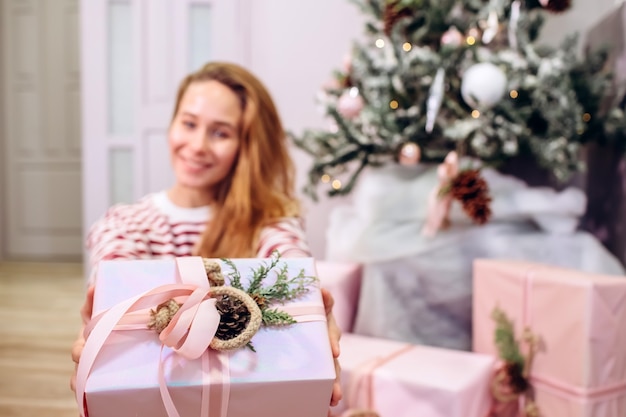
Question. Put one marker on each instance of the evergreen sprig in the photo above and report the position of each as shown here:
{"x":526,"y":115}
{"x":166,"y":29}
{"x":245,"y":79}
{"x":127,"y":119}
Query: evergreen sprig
{"x":273,"y":317}
{"x":282,"y":290}
{"x":234,"y":275}
{"x":504,"y":337}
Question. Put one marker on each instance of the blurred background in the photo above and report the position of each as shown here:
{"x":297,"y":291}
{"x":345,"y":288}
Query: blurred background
{"x":87,"y":90}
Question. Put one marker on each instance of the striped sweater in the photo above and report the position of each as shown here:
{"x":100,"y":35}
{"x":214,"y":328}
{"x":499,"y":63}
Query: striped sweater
{"x":156,"y":228}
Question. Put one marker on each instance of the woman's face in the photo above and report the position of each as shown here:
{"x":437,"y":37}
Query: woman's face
{"x":204,"y":135}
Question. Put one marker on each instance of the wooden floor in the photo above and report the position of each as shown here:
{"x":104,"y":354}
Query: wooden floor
{"x":39,"y":320}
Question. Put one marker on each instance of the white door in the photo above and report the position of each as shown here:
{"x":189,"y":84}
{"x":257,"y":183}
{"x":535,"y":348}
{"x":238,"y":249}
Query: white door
{"x":40,"y":133}
{"x":133,"y":55}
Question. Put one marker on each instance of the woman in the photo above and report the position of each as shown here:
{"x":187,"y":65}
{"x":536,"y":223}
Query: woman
{"x":233,"y":194}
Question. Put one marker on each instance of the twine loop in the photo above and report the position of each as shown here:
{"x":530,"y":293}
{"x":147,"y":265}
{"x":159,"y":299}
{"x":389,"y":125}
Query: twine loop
{"x":240,"y":315}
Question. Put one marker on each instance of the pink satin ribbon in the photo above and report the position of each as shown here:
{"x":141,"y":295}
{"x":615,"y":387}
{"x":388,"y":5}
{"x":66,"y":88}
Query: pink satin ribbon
{"x":439,"y":205}
{"x":189,"y":333}
{"x":364,"y":374}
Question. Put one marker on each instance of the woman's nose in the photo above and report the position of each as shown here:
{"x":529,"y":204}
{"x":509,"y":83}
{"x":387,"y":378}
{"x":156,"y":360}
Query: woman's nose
{"x":198,"y":142}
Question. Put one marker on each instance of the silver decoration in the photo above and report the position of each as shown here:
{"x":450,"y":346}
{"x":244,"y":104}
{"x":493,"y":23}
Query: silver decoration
{"x":434,"y":100}
{"x":515,"y":12}
{"x":490,"y":27}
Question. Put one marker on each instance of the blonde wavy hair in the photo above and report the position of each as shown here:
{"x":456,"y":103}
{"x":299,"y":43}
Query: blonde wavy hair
{"x":260,"y":187}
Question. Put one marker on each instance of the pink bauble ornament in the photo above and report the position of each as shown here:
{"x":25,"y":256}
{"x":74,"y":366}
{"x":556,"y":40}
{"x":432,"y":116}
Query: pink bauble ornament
{"x":350,"y":103}
{"x":544,"y":3}
{"x":452,"y":37}
{"x":409,"y":154}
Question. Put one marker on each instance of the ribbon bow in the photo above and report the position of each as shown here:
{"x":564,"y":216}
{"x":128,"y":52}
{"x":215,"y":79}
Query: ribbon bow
{"x":193,"y":327}
{"x":439,"y":203}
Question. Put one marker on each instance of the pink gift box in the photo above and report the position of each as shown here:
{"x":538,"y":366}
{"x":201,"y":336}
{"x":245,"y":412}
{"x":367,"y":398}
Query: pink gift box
{"x":397,"y":379}
{"x":291,"y":372}
{"x":580,"y":319}
{"x":343,"y":280}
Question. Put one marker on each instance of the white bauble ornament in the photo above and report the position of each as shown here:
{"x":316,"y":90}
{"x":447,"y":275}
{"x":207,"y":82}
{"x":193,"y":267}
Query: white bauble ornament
{"x":483,"y":85}
{"x":350,"y":103}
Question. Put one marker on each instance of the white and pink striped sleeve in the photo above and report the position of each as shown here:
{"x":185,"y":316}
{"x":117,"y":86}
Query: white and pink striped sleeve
{"x":286,"y":236}
{"x":117,"y":235}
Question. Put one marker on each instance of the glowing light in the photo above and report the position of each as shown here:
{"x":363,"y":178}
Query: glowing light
{"x":406,"y":46}
{"x":336,"y":184}
{"x":514,"y":94}
{"x":393,"y":104}
{"x":470,"y":40}
{"x":380,"y":43}
{"x":586,"y":117}
{"x":325,"y":178}
{"x":475,"y":114}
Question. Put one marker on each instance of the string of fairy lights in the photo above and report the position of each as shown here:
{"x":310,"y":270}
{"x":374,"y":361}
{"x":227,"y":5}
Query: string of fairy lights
{"x":501,"y":72}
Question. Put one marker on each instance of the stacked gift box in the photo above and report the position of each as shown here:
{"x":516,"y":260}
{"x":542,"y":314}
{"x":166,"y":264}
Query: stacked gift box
{"x":574,"y":323}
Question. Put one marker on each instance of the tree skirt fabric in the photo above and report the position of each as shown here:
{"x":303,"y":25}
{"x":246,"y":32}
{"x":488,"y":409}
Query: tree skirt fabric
{"x":418,"y":289}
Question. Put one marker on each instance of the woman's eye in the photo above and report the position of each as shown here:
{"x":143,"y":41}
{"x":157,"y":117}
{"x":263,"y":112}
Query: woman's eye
{"x":220,"y":133}
{"x":189,"y":125}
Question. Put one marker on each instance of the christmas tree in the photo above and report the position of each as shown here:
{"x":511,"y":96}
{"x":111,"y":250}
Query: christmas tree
{"x":433,"y":76}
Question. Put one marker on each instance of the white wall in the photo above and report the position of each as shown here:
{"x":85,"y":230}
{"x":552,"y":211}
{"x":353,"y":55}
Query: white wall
{"x":295,"y":47}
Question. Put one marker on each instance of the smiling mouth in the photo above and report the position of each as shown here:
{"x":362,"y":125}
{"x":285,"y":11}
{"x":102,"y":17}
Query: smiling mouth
{"x":195,"y":165}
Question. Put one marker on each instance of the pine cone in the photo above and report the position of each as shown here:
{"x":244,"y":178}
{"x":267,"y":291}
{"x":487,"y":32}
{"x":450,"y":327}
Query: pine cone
{"x":392,"y":13}
{"x":234,"y":317}
{"x":517,"y":381}
{"x":473,"y":192}
{"x":558,"y":6}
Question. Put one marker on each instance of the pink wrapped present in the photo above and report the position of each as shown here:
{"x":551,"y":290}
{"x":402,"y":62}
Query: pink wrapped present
{"x":126,"y":370}
{"x":396,"y":379}
{"x":579,"y":322}
{"x":343,"y":280}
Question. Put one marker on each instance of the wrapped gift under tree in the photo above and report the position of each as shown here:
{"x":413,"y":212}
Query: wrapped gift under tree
{"x":560,"y":334}
{"x":385,"y":378}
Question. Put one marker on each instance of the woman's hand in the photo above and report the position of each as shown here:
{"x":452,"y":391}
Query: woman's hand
{"x":79,"y":343}
{"x":334,"y":334}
